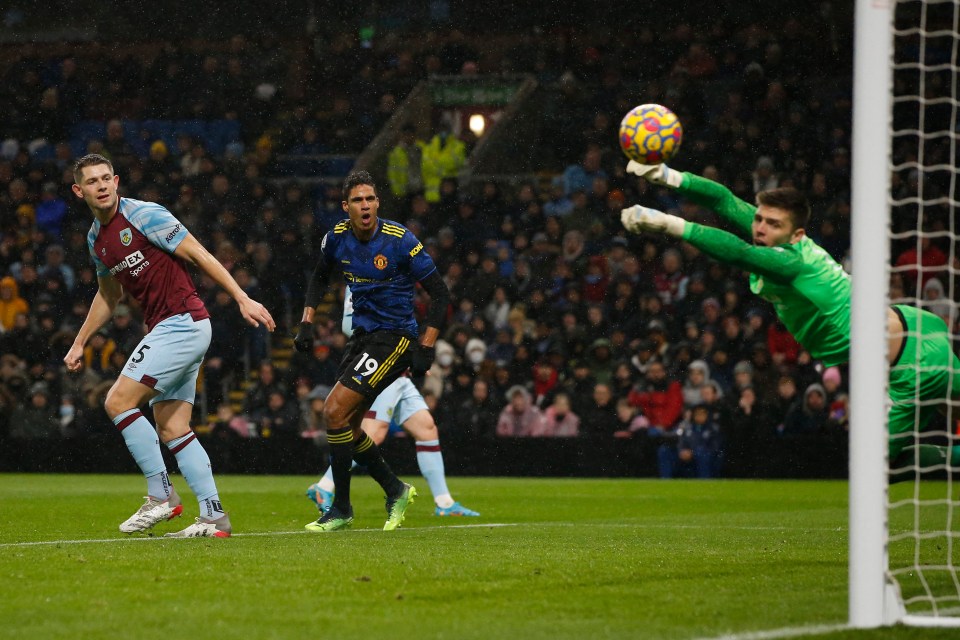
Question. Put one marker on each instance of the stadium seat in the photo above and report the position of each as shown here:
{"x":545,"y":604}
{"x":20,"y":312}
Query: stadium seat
{"x":83,"y":132}
{"x":197,"y":129}
{"x":337,"y":165}
{"x":133,"y":132}
{"x":42,"y":152}
{"x":220,"y":133}
{"x":161,"y":130}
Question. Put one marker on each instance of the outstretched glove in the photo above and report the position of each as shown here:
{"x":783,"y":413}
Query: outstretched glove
{"x":637,"y":219}
{"x":656,"y":173}
{"x":422,"y":361}
{"x":304,"y":340}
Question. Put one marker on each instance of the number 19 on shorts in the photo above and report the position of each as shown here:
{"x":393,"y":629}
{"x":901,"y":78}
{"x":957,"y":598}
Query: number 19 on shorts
{"x":369,"y":364}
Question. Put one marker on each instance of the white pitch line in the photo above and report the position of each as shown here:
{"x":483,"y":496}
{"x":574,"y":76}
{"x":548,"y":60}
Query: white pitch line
{"x":255,"y":534}
{"x":479,"y":525}
{"x":671,"y":526}
{"x":780,"y":634}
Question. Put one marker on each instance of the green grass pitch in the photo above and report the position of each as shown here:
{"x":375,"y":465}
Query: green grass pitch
{"x":548,"y":559}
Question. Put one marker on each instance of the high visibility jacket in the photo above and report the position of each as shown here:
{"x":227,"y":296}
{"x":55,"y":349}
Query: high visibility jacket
{"x":441,"y":159}
{"x":405,"y":168}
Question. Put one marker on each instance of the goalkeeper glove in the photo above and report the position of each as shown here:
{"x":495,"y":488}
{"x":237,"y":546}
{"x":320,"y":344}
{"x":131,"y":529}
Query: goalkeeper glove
{"x":304,"y":340}
{"x":637,"y":219}
{"x":422,"y":361}
{"x":656,"y":173}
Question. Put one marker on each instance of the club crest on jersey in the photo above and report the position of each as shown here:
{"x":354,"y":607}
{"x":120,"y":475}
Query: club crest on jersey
{"x":380,"y":261}
{"x":126,"y":237}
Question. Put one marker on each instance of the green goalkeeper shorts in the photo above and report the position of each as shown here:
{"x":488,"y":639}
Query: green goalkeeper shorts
{"x":925,"y":374}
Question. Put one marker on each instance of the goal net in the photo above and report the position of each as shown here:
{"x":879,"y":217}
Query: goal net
{"x":912,"y":574}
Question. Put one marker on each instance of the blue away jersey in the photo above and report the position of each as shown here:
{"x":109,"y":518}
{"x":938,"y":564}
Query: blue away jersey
{"x":381,"y":273}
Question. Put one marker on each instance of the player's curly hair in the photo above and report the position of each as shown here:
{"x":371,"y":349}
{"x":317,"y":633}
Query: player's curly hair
{"x":89,"y":160}
{"x":355,"y":179}
{"x":790,"y":200}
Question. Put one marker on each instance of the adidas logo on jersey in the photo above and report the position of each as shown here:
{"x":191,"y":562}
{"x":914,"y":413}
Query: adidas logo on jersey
{"x":393,"y":230}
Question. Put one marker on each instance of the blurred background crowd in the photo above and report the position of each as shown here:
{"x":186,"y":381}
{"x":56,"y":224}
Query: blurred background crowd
{"x":562,"y":324}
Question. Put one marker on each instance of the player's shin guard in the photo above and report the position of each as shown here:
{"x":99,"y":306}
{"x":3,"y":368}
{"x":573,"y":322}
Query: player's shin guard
{"x":341,"y":458}
{"x":194,"y":464}
{"x":144,"y":445}
{"x":367,"y":454}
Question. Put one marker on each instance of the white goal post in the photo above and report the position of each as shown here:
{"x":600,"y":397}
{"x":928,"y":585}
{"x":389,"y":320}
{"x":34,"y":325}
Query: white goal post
{"x":922,"y":588}
{"x":868,"y":366}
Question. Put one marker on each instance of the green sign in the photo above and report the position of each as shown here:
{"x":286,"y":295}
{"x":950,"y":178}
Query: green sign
{"x":472,"y":94}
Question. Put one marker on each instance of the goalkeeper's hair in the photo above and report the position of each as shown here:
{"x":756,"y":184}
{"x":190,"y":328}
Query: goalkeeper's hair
{"x":355,"y":179}
{"x":89,"y":160}
{"x":790,"y":200}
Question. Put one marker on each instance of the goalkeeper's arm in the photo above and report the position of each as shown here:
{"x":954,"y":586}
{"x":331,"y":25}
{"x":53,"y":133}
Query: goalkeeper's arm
{"x":702,"y":191}
{"x":778,"y":264}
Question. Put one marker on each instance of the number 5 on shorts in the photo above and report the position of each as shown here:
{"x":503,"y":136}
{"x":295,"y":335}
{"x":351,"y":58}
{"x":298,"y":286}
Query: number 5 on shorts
{"x":140,"y":354}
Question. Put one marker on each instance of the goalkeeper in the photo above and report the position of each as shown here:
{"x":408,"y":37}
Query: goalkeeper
{"x":811,"y":295}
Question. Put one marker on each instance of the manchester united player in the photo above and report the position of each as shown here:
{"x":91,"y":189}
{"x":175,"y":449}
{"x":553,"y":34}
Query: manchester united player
{"x":382,"y":261}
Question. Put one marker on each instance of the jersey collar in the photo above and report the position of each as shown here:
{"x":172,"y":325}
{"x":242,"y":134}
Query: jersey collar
{"x":373,"y":235}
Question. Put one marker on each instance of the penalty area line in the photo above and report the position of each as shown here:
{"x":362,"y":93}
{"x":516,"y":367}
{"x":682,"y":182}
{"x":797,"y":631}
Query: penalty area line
{"x":253,"y":534}
{"x":782,"y":633}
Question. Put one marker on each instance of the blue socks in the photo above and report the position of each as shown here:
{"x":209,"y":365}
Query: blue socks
{"x":194,"y":464}
{"x":158,"y":485}
{"x":431,"y":467}
{"x":143,"y":444}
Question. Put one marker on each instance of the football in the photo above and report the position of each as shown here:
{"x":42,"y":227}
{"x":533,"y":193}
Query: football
{"x":650,"y":134}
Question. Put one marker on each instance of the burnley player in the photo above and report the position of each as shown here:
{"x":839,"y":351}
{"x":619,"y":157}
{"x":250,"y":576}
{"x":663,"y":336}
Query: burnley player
{"x":139,"y":247}
{"x":811,"y":295}
{"x":381,"y":261}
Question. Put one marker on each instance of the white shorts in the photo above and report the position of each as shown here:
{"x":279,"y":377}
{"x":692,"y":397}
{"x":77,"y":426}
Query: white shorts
{"x":168,"y":358}
{"x":397,"y":403}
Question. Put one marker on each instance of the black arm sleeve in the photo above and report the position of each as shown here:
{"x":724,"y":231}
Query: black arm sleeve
{"x":317,"y":287}
{"x":439,"y":299}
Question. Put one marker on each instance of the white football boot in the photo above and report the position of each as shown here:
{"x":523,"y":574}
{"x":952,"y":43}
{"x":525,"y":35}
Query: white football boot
{"x":202,"y":528}
{"x":152,"y":512}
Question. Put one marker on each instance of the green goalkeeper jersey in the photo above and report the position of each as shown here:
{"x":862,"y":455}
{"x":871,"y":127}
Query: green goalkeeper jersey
{"x":809,"y":289}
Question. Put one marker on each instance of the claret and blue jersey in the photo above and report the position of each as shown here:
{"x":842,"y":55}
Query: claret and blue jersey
{"x":136,"y":248}
{"x":380,"y":272}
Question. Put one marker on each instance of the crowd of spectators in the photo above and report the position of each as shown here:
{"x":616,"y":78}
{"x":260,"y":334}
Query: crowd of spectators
{"x":562,"y":325}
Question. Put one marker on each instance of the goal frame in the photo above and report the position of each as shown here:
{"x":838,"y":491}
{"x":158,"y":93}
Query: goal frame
{"x":870,"y":604}
{"x":874,"y":598}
